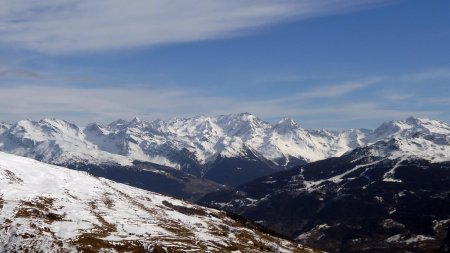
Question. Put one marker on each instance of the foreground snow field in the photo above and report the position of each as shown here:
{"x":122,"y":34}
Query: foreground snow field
{"x":53,"y":209}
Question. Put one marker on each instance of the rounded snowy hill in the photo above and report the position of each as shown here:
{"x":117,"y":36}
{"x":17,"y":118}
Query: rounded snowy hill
{"x":45,"y":208}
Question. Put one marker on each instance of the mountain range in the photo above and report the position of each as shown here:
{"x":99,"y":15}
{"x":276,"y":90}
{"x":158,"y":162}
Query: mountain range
{"x":229,"y":149}
{"x":392,"y":195}
{"x":355,"y":190}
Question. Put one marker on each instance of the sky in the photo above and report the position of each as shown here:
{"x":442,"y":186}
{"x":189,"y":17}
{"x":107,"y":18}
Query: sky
{"x":327,"y":64}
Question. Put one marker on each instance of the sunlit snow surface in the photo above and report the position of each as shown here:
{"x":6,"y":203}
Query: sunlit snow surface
{"x":44,"y":207}
{"x":205,"y":138}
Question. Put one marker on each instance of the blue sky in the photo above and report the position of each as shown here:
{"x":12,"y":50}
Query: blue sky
{"x":331,"y":64}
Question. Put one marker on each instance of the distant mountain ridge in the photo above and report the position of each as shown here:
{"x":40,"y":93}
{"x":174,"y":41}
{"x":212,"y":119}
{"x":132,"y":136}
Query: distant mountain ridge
{"x":199,"y":144}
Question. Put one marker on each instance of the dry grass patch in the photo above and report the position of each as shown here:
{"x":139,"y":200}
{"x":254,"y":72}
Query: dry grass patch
{"x":11,"y":176}
{"x":38,"y":208}
{"x":109,"y":203}
{"x":185,"y":210}
{"x":89,"y":243}
{"x":130,"y":199}
{"x":105,"y":228}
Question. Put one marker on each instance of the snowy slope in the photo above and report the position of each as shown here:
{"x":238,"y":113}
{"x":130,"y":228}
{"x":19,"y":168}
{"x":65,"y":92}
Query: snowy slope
{"x":45,"y":208}
{"x":412,"y":137}
{"x":410,"y":127}
{"x":53,"y":140}
{"x":194,"y":143}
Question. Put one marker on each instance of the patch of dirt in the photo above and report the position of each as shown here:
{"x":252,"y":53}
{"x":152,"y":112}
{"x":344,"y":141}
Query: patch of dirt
{"x":93,"y":242}
{"x":178,"y":229}
{"x":185,"y":210}
{"x":130,"y":199}
{"x":106,"y":228}
{"x":89,"y":243}
{"x":159,"y":249}
{"x":38,"y":208}
{"x":109,"y":203}
{"x":11,"y":176}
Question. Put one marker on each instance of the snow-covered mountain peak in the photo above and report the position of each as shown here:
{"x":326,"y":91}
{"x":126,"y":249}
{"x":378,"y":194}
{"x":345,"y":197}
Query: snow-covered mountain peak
{"x":55,"y":141}
{"x":288,"y":121}
{"x":56,"y":122}
{"x":411,"y":137}
{"x":411,"y":126}
{"x":59,"y":125}
{"x":43,"y":129}
{"x":404,"y":148}
{"x":136,"y":120}
{"x":246,"y":116}
{"x":199,"y":117}
{"x":245,"y":125}
{"x":98,"y":129}
{"x":286,"y":125}
{"x":118,"y":124}
{"x":123,"y":125}
{"x":432,"y":126}
{"x":418,"y":121}
{"x":240,"y":117}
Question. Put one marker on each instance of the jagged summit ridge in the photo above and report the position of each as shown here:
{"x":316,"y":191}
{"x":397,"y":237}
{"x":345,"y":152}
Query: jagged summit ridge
{"x":201,"y":139}
{"x":411,"y":126}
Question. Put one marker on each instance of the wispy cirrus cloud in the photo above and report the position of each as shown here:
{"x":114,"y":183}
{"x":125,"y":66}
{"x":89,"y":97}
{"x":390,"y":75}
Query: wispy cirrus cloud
{"x":328,"y":91}
{"x":395,"y":96}
{"x":55,"y":26}
{"x":337,"y":90}
{"x":425,"y":75}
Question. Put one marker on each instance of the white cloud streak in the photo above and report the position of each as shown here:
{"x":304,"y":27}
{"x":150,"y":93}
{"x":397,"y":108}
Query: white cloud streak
{"x":395,"y":95}
{"x":327,"y":91}
{"x":338,"y":89}
{"x":68,"y":26}
{"x":426,"y":75}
